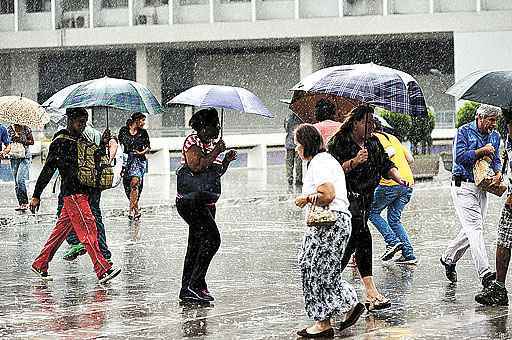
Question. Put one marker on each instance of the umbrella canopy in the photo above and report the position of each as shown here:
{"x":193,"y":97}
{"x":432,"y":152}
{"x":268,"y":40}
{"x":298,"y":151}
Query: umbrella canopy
{"x":303,"y":104}
{"x":22,"y":111}
{"x":225,"y":97}
{"x":107,"y":92}
{"x":487,"y":87}
{"x":371,"y":84}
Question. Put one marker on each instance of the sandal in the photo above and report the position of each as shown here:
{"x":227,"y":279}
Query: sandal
{"x":377,"y":304}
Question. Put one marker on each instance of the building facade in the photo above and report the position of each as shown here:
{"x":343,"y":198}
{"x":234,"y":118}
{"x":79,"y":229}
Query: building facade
{"x":263,"y":45}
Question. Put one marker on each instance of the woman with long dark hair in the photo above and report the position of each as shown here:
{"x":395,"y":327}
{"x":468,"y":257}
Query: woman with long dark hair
{"x":364,"y":162}
{"x":135,"y":141}
{"x":201,"y":154}
{"x":321,"y":255}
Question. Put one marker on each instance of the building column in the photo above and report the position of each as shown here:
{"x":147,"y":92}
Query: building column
{"x":25,"y":74}
{"x":311,"y":58}
{"x":149,"y":70}
{"x":5,"y":74}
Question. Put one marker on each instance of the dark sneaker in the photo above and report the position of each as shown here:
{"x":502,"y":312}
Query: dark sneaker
{"x":109,"y":275}
{"x":406,"y":260}
{"x":493,"y":295}
{"x":191,"y":295}
{"x":391,"y":251}
{"x":43,"y":275}
{"x":488,"y":279}
{"x":74,"y":251}
{"x":205,"y":293}
{"x":451,"y":274}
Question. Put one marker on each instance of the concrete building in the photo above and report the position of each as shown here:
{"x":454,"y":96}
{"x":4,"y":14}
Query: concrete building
{"x":263,"y":45}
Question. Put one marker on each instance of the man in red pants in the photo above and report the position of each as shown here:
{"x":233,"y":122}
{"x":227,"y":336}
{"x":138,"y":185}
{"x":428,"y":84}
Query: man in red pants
{"x":76,"y":214}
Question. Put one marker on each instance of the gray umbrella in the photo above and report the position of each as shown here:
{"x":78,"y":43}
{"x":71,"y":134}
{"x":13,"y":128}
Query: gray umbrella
{"x":487,"y":87}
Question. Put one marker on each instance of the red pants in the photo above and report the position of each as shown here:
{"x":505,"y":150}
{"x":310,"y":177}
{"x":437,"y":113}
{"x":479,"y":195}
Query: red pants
{"x":76,"y":214}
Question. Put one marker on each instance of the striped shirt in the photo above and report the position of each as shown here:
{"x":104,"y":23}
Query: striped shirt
{"x":193,"y":139}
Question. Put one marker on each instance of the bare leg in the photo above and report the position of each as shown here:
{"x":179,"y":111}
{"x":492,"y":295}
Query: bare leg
{"x":134,"y":195}
{"x":502,"y":262}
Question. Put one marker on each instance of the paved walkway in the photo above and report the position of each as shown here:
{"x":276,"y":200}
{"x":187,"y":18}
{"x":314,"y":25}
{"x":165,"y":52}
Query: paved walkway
{"x":254,"y":277}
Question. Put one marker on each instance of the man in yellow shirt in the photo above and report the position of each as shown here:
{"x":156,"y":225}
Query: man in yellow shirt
{"x":394,"y":197}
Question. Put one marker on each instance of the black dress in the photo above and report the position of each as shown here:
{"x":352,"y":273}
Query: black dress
{"x":361,"y":183}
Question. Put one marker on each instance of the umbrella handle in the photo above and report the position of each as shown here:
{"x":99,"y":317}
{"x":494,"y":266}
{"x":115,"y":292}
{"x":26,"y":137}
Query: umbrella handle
{"x":366,"y":128}
{"x":221,"y":122}
{"x":107,"y":116}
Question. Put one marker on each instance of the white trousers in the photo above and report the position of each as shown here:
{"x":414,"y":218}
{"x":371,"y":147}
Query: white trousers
{"x":471,"y":207}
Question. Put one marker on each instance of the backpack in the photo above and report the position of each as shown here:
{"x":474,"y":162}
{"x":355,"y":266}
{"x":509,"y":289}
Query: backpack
{"x":94,"y":168}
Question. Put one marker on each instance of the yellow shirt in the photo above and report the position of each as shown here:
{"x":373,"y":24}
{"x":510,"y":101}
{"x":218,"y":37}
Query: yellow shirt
{"x":396,"y":151}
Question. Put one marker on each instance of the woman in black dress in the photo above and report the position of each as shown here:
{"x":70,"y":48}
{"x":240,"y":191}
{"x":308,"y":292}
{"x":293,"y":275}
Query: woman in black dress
{"x":364,"y":162}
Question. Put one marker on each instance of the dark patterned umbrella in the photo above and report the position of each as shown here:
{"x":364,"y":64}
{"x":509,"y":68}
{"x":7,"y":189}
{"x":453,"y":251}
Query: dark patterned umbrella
{"x":487,"y":87}
{"x":371,"y":84}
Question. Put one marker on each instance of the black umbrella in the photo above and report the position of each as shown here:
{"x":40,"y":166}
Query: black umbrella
{"x":487,"y":87}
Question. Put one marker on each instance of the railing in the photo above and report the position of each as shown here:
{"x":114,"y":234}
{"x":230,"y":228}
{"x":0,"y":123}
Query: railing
{"x":169,"y":12}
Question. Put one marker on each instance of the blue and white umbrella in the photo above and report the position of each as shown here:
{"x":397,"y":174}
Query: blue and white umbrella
{"x":107,"y":92}
{"x":371,"y":84}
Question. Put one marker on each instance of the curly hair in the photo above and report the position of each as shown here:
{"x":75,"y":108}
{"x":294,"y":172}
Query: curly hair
{"x":204,"y":118}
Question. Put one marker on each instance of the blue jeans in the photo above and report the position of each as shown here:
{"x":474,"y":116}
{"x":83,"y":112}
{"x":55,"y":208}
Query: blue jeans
{"x":394,"y":198}
{"x":94,"y":202}
{"x":20,"y":170}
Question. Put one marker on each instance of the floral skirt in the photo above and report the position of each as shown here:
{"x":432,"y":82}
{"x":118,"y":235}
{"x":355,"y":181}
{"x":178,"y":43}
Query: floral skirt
{"x":320,"y":257}
{"x":136,"y":167}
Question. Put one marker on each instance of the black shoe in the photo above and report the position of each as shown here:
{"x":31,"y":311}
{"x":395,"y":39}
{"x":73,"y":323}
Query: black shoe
{"x":328,"y":333}
{"x":451,"y":274}
{"x":191,"y":295}
{"x":109,"y":275}
{"x":488,"y":279}
{"x":493,"y":295}
{"x":205,"y":293}
{"x":353,"y":317}
{"x":391,"y":251}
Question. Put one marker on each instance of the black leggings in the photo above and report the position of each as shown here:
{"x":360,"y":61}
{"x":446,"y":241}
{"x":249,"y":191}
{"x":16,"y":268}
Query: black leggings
{"x":360,"y":241}
{"x":203,"y":241}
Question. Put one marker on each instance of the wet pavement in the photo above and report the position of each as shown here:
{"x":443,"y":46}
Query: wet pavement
{"x":254,"y":277}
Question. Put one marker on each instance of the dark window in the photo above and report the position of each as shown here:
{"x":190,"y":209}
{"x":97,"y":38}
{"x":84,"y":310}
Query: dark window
{"x":34,"y":6}
{"x":193,"y":2}
{"x":6,"y":6}
{"x":114,"y":3}
{"x":156,"y":2}
{"x":74,"y":5}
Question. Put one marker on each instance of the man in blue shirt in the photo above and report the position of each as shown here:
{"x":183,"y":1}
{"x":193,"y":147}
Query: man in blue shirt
{"x":5,"y":141}
{"x":474,"y":141}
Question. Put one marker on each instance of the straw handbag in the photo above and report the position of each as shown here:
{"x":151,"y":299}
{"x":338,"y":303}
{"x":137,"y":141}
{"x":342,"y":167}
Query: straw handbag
{"x":483,"y":174}
{"x":320,"y":216}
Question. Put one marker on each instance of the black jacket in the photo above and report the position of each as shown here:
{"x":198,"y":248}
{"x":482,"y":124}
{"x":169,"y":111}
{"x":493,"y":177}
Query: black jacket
{"x":62,"y":156}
